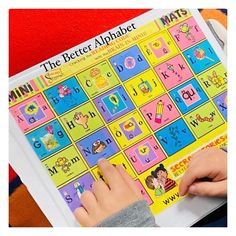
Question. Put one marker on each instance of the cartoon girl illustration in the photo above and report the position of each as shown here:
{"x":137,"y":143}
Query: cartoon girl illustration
{"x":156,"y":185}
{"x":159,"y":181}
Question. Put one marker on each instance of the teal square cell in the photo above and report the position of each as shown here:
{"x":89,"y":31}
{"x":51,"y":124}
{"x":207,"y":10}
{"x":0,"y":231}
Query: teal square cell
{"x":188,"y":96}
{"x":175,"y":137}
{"x":201,"y":57}
{"x":66,"y":95}
{"x":48,"y":139}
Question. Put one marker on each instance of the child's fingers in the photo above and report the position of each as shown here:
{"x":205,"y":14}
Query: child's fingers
{"x":192,"y":173}
{"x":88,"y":201}
{"x":82,"y":216}
{"x":209,"y":189}
{"x":110,"y":173}
{"x":100,"y":190}
{"x":188,"y":177}
{"x":198,"y":156}
{"x":129,"y":181}
{"x":199,"y":167}
{"x":201,"y":154}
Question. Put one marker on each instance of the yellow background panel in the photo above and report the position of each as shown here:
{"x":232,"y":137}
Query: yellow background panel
{"x":144,"y":87}
{"x":64,"y":165}
{"x":117,"y":160}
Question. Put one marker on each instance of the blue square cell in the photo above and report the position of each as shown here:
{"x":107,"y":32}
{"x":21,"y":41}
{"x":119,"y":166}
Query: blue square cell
{"x":201,"y":56}
{"x":97,"y":145}
{"x":66,"y":95}
{"x":188,"y":95}
{"x":48,"y":139}
{"x":129,"y":63}
{"x":175,"y":137}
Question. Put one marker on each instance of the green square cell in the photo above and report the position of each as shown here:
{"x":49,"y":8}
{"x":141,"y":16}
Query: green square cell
{"x":81,"y":121}
{"x":214,"y":80}
{"x":98,"y":79}
{"x":65,"y":165}
{"x":204,"y":119}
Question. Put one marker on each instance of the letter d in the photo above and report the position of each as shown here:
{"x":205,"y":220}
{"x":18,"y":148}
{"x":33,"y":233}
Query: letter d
{"x":139,"y":58}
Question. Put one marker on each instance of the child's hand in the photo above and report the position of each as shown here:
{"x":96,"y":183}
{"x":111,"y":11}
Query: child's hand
{"x":210,"y":163}
{"x":105,"y":200}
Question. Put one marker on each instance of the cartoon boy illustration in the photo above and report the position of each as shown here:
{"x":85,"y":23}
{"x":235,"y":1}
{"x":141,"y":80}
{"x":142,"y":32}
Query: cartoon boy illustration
{"x":159,"y":181}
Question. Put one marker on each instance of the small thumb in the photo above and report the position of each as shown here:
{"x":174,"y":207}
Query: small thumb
{"x":210,"y":189}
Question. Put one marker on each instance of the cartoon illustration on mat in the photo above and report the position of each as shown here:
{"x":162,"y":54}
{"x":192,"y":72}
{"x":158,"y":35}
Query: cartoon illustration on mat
{"x":144,"y":153}
{"x":186,"y":29}
{"x":156,"y":185}
{"x":171,"y":68}
{"x":79,"y":189}
{"x":129,"y":62}
{"x":216,"y":79}
{"x":159,"y":111}
{"x":115,"y":101}
{"x":145,"y":87}
{"x":100,"y":81}
{"x":130,"y":128}
{"x":203,"y":119}
{"x":159,"y":181}
{"x":31,"y":108}
{"x":98,"y":146}
{"x":64,"y":163}
{"x":81,"y":119}
{"x":159,"y":47}
{"x":174,"y":134}
{"x":65,"y":93}
{"x":200,"y":54}
{"x":49,"y":139}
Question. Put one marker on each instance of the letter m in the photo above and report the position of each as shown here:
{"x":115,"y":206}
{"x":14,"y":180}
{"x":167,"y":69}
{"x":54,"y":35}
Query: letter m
{"x":12,"y":96}
{"x":74,"y":160}
{"x":52,"y":171}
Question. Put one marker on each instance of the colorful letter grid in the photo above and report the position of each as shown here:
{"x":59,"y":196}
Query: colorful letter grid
{"x":143,"y":107}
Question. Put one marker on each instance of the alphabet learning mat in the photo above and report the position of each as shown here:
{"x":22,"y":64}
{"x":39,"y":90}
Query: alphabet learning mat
{"x":145,"y":97}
